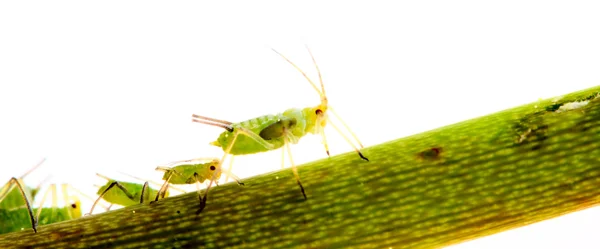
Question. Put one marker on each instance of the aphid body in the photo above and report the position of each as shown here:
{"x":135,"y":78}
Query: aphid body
{"x":270,"y":132}
{"x":125,"y":193}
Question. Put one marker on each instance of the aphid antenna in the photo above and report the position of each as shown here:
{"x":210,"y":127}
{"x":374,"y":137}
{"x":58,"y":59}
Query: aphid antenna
{"x":33,"y":168}
{"x":193,"y":160}
{"x":322,"y":91}
{"x":47,"y":179}
{"x":104,"y":177}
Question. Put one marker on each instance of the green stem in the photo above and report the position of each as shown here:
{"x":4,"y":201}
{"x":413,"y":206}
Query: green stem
{"x":430,"y":190}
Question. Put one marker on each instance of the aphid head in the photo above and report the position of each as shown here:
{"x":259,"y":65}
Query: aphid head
{"x":317,"y":116}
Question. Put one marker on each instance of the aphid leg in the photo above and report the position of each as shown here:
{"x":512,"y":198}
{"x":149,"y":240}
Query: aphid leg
{"x":347,"y":140}
{"x":324,"y":139}
{"x":8,"y":187}
{"x":203,"y":199}
{"x":294,"y":169}
{"x":44,"y":197}
{"x":346,"y":126}
{"x":144,"y":192}
{"x":112,"y":184}
{"x":109,"y":206}
{"x":165,"y":185}
{"x":229,"y":169}
{"x":237,"y":179}
{"x":65,"y":194}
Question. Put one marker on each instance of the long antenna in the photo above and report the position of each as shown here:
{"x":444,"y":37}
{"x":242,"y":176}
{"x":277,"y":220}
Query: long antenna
{"x":323,"y":98}
{"x":33,"y":168}
{"x":318,"y":71}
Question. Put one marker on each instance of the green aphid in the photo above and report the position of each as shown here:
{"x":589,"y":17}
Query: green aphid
{"x":194,"y":171}
{"x":271,"y":132}
{"x":125,"y":193}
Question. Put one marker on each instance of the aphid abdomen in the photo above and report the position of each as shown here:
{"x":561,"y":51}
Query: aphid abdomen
{"x":246,"y":145}
{"x":116,"y":195}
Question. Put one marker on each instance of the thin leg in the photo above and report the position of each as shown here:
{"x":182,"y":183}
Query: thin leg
{"x":16,"y":182}
{"x":65,"y":193}
{"x":203,"y":199}
{"x":324,"y":139}
{"x":227,"y":151}
{"x":165,"y":185}
{"x":294,"y":169}
{"x":347,"y":140}
{"x":41,"y":207}
{"x":115,"y":183}
{"x":109,"y":206}
{"x":230,"y":167}
{"x":346,"y":126}
{"x":237,"y":179}
{"x":144,"y":192}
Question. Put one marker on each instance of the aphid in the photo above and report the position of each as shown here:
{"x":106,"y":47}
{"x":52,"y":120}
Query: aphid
{"x":15,"y":219}
{"x":126,"y":193}
{"x":271,"y":132}
{"x":193,"y":171}
{"x":12,"y":198}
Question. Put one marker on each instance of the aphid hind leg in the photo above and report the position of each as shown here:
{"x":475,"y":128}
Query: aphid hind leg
{"x":112,"y":184}
{"x":294,"y":169}
{"x":8,"y":187}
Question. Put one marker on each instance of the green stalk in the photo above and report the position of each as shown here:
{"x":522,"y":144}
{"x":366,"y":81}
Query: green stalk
{"x":430,"y":190}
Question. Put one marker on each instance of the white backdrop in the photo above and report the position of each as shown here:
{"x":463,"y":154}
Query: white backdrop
{"x":108,"y":87}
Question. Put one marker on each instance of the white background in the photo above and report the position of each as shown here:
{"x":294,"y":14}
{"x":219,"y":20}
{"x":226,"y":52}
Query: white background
{"x":108,"y":87}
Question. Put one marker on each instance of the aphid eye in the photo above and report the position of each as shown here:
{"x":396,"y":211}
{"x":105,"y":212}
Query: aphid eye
{"x":212,"y":168}
{"x":74,"y":205}
{"x":319,"y":112}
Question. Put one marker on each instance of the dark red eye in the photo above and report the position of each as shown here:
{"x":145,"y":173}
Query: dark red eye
{"x":318,"y":112}
{"x":74,"y":205}
{"x":212,"y":168}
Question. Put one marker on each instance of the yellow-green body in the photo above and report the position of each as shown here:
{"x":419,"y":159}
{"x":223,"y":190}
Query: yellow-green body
{"x":293,"y":123}
{"x":116,"y":196}
{"x":185,"y":173}
{"x":14,"y":215}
